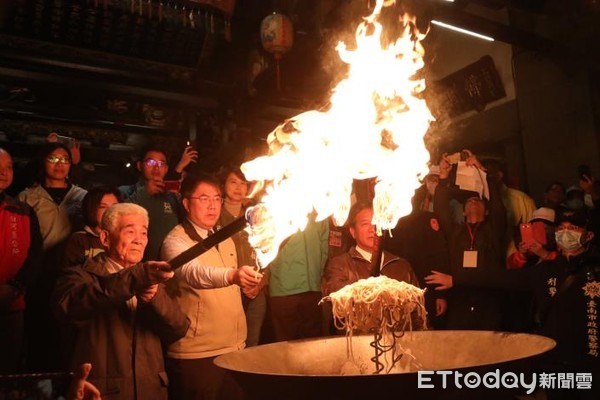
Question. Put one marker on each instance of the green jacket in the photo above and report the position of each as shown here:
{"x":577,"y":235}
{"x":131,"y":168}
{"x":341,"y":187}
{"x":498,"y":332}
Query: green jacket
{"x":299,"y":265}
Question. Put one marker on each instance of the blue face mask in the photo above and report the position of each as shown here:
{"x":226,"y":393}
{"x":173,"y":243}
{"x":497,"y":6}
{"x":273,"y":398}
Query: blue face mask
{"x":568,"y":240}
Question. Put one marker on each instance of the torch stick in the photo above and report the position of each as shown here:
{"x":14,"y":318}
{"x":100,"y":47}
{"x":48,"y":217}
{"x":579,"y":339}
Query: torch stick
{"x":377,"y":257}
{"x":201,"y":247}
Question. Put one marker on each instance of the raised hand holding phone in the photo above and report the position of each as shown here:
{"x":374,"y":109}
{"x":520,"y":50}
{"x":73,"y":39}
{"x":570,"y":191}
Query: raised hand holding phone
{"x":190,"y":155}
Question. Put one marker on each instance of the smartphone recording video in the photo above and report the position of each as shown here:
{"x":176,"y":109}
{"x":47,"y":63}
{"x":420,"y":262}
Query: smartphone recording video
{"x":527,"y":233}
{"x":533,"y":232}
{"x":172,"y":186}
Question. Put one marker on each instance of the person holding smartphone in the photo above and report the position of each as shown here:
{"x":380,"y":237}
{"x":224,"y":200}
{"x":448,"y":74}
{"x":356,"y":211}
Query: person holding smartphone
{"x":537,"y":240}
{"x":150,"y":192}
{"x":57,"y":205}
{"x":566,"y":290}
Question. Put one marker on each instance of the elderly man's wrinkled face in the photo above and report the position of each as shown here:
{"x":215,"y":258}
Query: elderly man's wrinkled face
{"x":127,"y":243}
{"x":363,"y":230}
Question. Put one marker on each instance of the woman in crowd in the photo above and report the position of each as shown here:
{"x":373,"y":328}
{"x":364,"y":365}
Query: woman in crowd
{"x":57,"y":204}
{"x":235,"y":188}
{"x":85,"y":244}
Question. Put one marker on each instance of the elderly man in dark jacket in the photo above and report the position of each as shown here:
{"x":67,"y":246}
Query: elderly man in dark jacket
{"x":121,"y":310}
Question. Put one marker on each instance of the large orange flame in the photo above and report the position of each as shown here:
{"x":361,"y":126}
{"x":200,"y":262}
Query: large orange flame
{"x":373,"y":128}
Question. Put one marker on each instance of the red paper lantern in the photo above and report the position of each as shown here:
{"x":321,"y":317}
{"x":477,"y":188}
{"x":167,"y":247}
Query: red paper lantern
{"x":277,"y":37}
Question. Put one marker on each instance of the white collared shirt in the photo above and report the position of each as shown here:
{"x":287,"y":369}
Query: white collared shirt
{"x":197,"y":274}
{"x":366,"y":254}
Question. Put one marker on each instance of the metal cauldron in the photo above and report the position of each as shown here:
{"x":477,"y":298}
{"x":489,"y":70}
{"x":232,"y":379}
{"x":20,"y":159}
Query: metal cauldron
{"x":310,"y":369}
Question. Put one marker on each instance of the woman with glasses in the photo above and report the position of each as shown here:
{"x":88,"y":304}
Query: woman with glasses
{"x":57,"y":204}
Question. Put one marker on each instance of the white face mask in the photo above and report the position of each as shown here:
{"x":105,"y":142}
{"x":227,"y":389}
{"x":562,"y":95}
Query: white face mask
{"x":568,"y":240}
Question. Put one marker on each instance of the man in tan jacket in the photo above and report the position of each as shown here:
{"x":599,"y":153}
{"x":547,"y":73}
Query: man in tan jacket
{"x":208,"y":290}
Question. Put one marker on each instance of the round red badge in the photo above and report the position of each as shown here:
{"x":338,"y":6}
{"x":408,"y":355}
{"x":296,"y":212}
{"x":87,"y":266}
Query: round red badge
{"x":435,"y":225}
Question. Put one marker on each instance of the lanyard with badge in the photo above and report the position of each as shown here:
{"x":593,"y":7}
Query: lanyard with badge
{"x":470,"y":256}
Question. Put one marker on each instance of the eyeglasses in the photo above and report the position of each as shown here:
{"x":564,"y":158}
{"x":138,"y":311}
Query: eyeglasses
{"x":151,"y":162}
{"x":205,"y":200}
{"x":55,"y":159}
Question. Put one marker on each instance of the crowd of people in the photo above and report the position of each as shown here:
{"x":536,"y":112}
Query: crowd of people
{"x":85,"y":277}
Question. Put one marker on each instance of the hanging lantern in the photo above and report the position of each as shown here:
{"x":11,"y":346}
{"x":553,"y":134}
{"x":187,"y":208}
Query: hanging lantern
{"x":277,"y":37}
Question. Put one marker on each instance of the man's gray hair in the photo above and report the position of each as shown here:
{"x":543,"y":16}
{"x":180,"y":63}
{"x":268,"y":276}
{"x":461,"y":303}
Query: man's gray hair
{"x":112,"y":215}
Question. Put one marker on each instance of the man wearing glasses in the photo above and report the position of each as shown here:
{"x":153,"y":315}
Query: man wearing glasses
{"x":208,"y":291}
{"x":162,"y":205}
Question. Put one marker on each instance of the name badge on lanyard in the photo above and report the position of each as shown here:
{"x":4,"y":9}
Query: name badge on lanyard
{"x":470,"y":259}
{"x":470,"y":256}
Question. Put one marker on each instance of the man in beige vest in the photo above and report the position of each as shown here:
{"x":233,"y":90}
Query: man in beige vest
{"x":208,"y":291}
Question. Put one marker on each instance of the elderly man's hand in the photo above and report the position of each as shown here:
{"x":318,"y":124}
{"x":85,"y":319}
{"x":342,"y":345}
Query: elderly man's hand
{"x":245,"y":276}
{"x":148,"y":294}
{"x":158,"y":271}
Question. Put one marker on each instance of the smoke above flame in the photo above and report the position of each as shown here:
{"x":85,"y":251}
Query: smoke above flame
{"x":373,"y":128}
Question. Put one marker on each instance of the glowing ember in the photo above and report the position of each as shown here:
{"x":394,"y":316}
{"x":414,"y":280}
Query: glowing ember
{"x":374,"y":127}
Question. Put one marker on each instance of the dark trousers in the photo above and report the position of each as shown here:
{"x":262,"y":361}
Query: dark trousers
{"x":200,"y":379}
{"x":296,"y":316}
